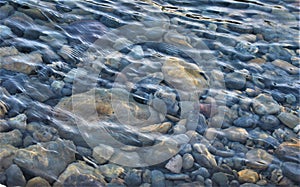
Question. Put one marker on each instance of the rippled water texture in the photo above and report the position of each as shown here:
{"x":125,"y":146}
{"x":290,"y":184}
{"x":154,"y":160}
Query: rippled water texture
{"x":149,"y":93}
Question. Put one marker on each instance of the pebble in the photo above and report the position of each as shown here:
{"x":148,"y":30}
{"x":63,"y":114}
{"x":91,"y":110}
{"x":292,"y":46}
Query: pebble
{"x":264,"y":104}
{"x":137,"y":52}
{"x":258,"y":159}
{"x":157,"y":179}
{"x":37,"y":181}
{"x":220,"y":178}
{"x":248,"y":175}
{"x":289,"y":151}
{"x":13,"y":137}
{"x":290,"y":98}
{"x":111,"y":170}
{"x":133,"y":178}
{"x":4,"y":126}
{"x":3,"y":109}
{"x":18,"y":122}
{"x":290,"y":68}
{"x":235,"y":134}
{"x":291,"y":170}
{"x":188,"y":161}
{"x":42,"y":133}
{"x":288,"y":119}
{"x":5,"y":32}
{"x":102,"y":153}
{"x":50,"y":157}
{"x":245,"y":122}
{"x":177,"y":177}
{"x":14,"y":176}
{"x":175,"y":164}
{"x":269,"y":122}
{"x":235,"y":81}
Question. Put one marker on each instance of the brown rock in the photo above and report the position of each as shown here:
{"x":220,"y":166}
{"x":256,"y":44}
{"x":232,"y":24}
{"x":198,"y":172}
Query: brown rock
{"x":289,"y":151}
{"x":291,"y":69}
{"x":248,"y":175}
{"x":7,"y":154}
{"x":3,"y":109}
{"x":37,"y":182}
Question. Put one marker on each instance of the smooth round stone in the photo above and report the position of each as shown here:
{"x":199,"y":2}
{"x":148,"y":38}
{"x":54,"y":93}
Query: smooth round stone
{"x":157,"y":179}
{"x":290,"y":98}
{"x":288,"y":119}
{"x":133,"y":178}
{"x":5,"y":32}
{"x":37,"y":181}
{"x":208,"y":183}
{"x":259,"y":158}
{"x":14,"y":176}
{"x":291,"y":170}
{"x":269,"y":122}
{"x":264,"y":104}
{"x":235,"y":80}
{"x":155,"y":33}
{"x":220,"y":178}
{"x":245,"y":122}
{"x":188,"y":161}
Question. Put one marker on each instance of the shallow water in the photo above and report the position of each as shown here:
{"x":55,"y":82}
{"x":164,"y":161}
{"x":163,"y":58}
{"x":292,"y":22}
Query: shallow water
{"x":212,"y":84}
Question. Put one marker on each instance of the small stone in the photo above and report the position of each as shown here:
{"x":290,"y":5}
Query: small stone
{"x":208,"y":183}
{"x":220,"y":178}
{"x":41,"y":132}
{"x":291,"y":170}
{"x":269,"y":122}
{"x":14,"y":176}
{"x":289,"y":151}
{"x":12,"y":138}
{"x":80,"y":174}
{"x":235,"y":81}
{"x":289,"y":119}
{"x":175,"y":164}
{"x":49,"y":157}
{"x":4,"y":126}
{"x":235,"y":134}
{"x":290,"y":68}
{"x":147,"y":176}
{"x":290,"y":98}
{"x":18,"y":122}
{"x":296,"y":129}
{"x":102,"y":153}
{"x":111,"y":170}
{"x":37,"y":182}
{"x":157,"y":179}
{"x":57,"y":85}
{"x":5,"y":32}
{"x":133,"y":178}
{"x":137,"y":52}
{"x":179,"y":129}
{"x":248,"y":175}
{"x":258,"y":159}
{"x":188,"y":161}
{"x":3,"y":109}
{"x":264,"y":104}
{"x":245,"y":122}
{"x":177,"y":176}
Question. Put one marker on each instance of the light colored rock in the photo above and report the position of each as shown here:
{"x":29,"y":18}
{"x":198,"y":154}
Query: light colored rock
{"x":102,"y":153}
{"x":259,"y":158}
{"x":290,"y":68}
{"x":162,"y":128}
{"x":188,"y":161}
{"x":175,"y":164}
{"x":37,"y":181}
{"x":3,"y":109}
{"x":248,"y":175}
{"x":13,"y":137}
{"x":79,"y":168}
{"x":264,"y":104}
{"x":18,"y":122}
{"x":186,"y":77}
{"x":289,"y":119}
{"x":235,"y":134}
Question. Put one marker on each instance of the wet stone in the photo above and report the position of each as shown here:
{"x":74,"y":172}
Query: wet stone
{"x":235,"y":80}
{"x":102,"y":153}
{"x":188,"y":161}
{"x":14,"y":176}
{"x":269,"y":122}
{"x":258,"y":159}
{"x":220,"y":178}
{"x":111,"y":170}
{"x":290,"y":98}
{"x":290,"y":120}
{"x":37,"y":181}
{"x":42,"y":133}
{"x":291,"y":170}
{"x":175,"y":164}
{"x":50,"y":157}
{"x":5,"y":32}
{"x":4,"y":126}
{"x":289,"y":151}
{"x":18,"y":122}
{"x":157,"y":179}
{"x":245,"y":121}
{"x":248,"y":175}
{"x":133,"y":178}
{"x":235,"y":134}
{"x":264,"y":104}
{"x":12,"y":138}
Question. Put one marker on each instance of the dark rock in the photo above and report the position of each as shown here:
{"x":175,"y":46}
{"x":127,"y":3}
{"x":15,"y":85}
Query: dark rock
{"x":157,"y":179}
{"x":46,"y":160}
{"x":7,"y":154}
{"x":289,"y":151}
{"x":202,"y":171}
{"x":269,"y":122}
{"x":14,"y":176}
{"x":4,"y":126}
{"x":245,"y":122}
{"x":38,"y":90}
{"x":220,"y":178}
{"x":42,"y":133}
{"x":291,"y":170}
{"x":235,"y":80}
{"x":81,"y":180}
{"x":133,"y":178}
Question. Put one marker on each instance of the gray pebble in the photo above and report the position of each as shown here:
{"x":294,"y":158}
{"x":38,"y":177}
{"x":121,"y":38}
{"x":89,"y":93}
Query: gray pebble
{"x":269,"y":122}
{"x":235,"y":80}
{"x":14,"y":176}
{"x":158,"y":179}
{"x":188,"y":161}
{"x":245,"y":121}
{"x":290,"y":98}
{"x":291,"y":170}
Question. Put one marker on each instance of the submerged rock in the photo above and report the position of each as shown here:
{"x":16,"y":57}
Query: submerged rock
{"x":175,"y":164}
{"x":37,"y":181}
{"x":12,"y":138}
{"x":14,"y":176}
{"x":46,"y":160}
{"x":291,"y":170}
{"x":289,"y":151}
{"x":248,"y":175}
{"x":264,"y":104}
{"x":289,"y":119}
